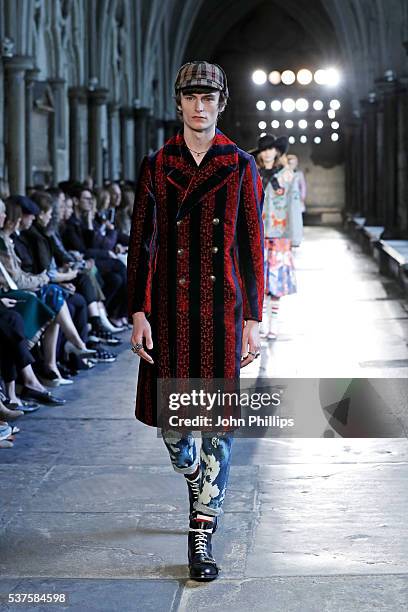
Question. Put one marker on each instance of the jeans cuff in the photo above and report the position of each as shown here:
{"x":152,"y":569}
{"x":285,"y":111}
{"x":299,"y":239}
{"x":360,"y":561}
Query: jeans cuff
{"x":189,"y":469}
{"x":207,"y":509}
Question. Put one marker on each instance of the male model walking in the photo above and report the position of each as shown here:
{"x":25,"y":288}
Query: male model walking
{"x":195,"y":277}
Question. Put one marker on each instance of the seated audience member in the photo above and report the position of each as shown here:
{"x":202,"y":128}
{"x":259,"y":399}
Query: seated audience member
{"x":83,"y":296}
{"x":79,"y":235}
{"x":16,"y":360}
{"x":50,"y":294}
{"x":124,"y":212}
{"x":90,"y":268}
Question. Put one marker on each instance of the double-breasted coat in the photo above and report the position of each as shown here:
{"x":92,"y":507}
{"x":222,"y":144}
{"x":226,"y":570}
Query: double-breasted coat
{"x":195,"y":262}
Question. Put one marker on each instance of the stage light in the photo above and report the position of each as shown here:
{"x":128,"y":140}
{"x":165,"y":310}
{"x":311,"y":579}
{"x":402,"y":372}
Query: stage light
{"x":332,"y":77}
{"x":319,"y":124}
{"x":304,"y":76}
{"x":274,"y":77}
{"x":262,"y":134}
{"x":334,"y":104}
{"x":335,"y":125}
{"x":317,"y":139}
{"x":289,"y":123}
{"x":331,"y":114}
{"x":302,"y":124}
{"x":334,"y":137}
{"x":292,"y":139}
{"x":259,"y":77}
{"x":302,"y":105}
{"x":303,"y":139}
{"x":288,"y":77}
{"x":320,"y":77}
{"x":275,"y":124}
{"x":276,"y":105}
{"x":262,"y":125}
{"x":288,"y":105}
{"x":318,"y":105}
{"x":260,"y":105}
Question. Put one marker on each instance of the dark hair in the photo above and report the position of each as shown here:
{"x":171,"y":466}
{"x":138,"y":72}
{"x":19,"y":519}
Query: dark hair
{"x":200,"y":89}
{"x":75,"y":189}
{"x":14,"y":212}
{"x":43,"y":200}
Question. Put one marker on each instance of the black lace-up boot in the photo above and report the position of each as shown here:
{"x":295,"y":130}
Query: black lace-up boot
{"x":193,"y":485}
{"x":201,"y":563}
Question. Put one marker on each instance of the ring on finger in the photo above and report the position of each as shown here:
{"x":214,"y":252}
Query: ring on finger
{"x":136,"y":347}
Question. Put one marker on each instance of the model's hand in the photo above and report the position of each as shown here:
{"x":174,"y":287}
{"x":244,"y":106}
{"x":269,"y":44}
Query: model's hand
{"x":251,"y":343}
{"x":142,"y":329}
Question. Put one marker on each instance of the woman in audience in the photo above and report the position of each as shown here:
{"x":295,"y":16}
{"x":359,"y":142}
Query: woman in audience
{"x":79,"y":234}
{"x":51,"y":295}
{"x":124,"y":212}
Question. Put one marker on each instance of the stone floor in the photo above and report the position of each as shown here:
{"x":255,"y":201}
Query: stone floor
{"x":91,"y":508}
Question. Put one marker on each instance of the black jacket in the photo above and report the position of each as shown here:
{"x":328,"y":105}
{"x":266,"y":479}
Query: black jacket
{"x":23,"y":249}
{"x":41,"y":247}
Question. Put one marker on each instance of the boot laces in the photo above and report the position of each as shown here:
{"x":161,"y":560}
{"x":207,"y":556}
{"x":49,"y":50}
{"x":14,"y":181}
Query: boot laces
{"x":194,"y":486}
{"x":200,"y":542}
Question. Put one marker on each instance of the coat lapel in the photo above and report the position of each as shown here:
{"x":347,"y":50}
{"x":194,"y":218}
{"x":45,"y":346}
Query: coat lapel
{"x":195,"y":183}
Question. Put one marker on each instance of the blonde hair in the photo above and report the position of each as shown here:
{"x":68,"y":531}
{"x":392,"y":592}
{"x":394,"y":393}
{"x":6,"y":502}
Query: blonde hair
{"x":103,"y":199}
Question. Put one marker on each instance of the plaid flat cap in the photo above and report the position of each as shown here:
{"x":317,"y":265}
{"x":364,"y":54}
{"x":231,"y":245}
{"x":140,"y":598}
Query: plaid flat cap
{"x":203,"y":74}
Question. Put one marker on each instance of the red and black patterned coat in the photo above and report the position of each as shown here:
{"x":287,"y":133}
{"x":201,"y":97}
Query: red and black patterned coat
{"x":195,"y":262}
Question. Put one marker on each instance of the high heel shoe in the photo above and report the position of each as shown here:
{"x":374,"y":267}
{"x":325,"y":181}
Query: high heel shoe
{"x":72,"y":349}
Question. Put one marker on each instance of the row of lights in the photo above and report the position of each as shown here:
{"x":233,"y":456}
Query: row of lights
{"x":323,"y":76}
{"x":303,"y":139}
{"x":302,"y":124}
{"x":301,"y":104}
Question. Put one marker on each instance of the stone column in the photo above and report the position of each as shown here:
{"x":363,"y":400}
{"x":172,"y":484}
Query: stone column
{"x":387,"y":154}
{"x":97,"y":98}
{"x":15,"y":68}
{"x":159,"y":134}
{"x":114,"y":139}
{"x":77,"y":99}
{"x":31,"y":76}
{"x":402,"y":155}
{"x":57,"y":88}
{"x":141,"y":116}
{"x":369,"y":128}
{"x":127,"y":142}
{"x":352,"y":134}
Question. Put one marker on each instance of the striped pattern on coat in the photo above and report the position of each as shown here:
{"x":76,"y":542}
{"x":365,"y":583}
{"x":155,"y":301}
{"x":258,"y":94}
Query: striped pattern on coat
{"x":195,"y":262}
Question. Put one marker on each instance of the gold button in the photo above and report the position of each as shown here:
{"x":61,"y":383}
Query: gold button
{"x":180,"y":251}
{"x":216,"y":221}
{"x":212,"y":278}
{"x":182,"y":280}
{"x":215,"y":249}
{"x":179,"y":222}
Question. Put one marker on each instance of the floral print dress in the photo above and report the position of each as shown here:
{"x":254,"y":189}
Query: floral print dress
{"x":283,"y":228}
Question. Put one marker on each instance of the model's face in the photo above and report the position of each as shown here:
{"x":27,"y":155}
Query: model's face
{"x":27,"y":221}
{"x":200,"y":111}
{"x":2,"y":213}
{"x":293,"y":163}
{"x":268,"y":155}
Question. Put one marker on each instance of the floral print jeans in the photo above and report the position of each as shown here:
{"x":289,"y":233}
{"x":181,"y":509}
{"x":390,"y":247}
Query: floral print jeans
{"x":215,"y":456}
